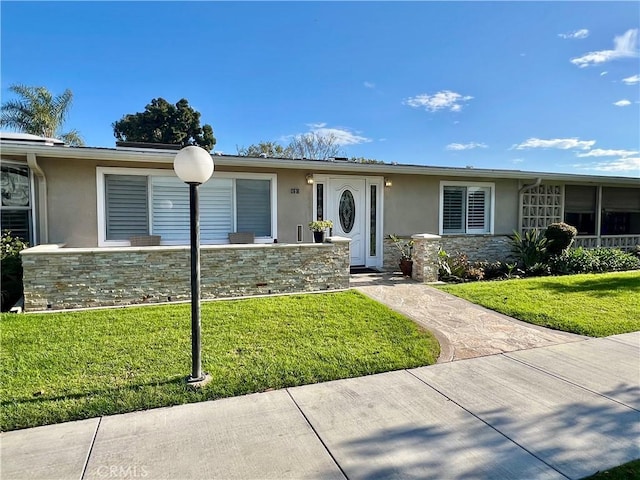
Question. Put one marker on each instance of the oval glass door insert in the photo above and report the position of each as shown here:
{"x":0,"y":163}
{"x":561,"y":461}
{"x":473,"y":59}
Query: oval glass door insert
{"x":347,"y":211}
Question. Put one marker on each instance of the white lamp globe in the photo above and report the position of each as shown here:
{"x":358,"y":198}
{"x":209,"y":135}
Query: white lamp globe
{"x":193,"y":165}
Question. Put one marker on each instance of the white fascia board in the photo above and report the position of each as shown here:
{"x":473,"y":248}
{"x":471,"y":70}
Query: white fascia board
{"x":167,"y":156}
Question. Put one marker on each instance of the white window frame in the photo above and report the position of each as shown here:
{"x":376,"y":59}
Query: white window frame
{"x":491,"y":209}
{"x":148,"y":172}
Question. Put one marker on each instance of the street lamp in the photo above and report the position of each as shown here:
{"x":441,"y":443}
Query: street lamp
{"x":194,"y":166}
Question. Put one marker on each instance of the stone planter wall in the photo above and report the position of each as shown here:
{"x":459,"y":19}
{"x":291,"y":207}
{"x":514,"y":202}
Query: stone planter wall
{"x":425,"y":257}
{"x":58,"y":278}
{"x":478,"y":247}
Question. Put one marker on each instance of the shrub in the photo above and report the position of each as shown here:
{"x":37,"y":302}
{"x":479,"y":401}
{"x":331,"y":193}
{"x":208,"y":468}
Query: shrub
{"x":529,"y":249}
{"x":597,"y":260}
{"x":492,"y":270}
{"x":11,"y":265}
{"x":559,"y":237}
{"x":457,"y":267}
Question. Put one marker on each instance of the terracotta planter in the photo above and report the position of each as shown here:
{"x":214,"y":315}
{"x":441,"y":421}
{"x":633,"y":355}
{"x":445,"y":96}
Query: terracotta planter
{"x":406,"y":267}
{"x":318,"y":237}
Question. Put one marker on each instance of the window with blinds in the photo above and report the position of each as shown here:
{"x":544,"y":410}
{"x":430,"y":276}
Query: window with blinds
{"x":159,"y":205}
{"x":453,"y":209}
{"x":127,"y":209}
{"x":477,"y":210}
{"x":253,"y":202}
{"x":465,"y":209}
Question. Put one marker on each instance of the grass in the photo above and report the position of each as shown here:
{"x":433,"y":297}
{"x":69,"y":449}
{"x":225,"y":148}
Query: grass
{"x":597,"y":305}
{"x":66,"y":366}
{"x":628,"y":471}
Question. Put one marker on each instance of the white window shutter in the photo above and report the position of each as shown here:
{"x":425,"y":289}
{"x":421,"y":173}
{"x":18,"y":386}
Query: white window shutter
{"x":453,"y":209}
{"x":478,"y":209}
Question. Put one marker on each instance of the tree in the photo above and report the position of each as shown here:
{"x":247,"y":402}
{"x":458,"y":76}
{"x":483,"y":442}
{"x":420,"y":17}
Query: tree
{"x":163,"y":122}
{"x":312,"y":145}
{"x":38,"y":112}
{"x":266,"y":147}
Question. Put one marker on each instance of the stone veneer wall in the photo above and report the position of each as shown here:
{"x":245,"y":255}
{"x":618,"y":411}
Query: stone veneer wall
{"x":425,"y":257}
{"x":58,"y":278}
{"x":478,"y":247}
{"x":391,"y":255}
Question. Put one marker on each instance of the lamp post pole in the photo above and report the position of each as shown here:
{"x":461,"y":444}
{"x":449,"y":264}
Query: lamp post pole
{"x":194,"y":222}
{"x":194,"y":166}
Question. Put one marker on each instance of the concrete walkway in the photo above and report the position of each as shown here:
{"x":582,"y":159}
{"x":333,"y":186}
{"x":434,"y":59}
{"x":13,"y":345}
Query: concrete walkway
{"x":557,"y":412}
{"x":464,"y":330}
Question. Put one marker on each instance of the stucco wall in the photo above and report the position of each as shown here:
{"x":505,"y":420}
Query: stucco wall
{"x":72,"y":199}
{"x":59,"y":278}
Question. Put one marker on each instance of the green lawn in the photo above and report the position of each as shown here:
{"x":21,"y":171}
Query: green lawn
{"x":597,"y":305}
{"x":65,"y":366}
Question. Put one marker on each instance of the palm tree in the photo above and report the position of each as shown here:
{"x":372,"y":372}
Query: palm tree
{"x":40,"y":113}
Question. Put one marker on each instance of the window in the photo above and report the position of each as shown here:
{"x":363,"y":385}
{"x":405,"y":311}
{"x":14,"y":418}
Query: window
{"x":466,"y":208}
{"x":155,"y":202}
{"x":16,"y":201}
{"x":580,"y":208}
{"x":620,"y":211}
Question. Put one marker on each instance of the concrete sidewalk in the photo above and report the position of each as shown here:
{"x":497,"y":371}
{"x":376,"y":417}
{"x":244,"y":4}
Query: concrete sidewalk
{"x":564,"y":411}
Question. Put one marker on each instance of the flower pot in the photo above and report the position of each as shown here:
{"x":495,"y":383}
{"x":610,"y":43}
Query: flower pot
{"x":406,"y":267}
{"x":318,"y":237}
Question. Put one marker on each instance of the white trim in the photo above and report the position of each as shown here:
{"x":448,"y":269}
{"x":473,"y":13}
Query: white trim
{"x":148,"y":172}
{"x":377,"y":260}
{"x":166,"y":157}
{"x":492,"y":206}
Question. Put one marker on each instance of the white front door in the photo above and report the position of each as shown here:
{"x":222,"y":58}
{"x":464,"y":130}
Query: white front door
{"x":346,"y":204}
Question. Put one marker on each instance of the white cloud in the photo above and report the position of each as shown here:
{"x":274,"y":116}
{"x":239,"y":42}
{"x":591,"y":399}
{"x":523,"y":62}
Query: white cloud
{"x":622,"y":103}
{"x":603,"y":74}
{"x":561,"y":143}
{"x":444,"y":100}
{"x":628,"y":164}
{"x":578,"y":34}
{"x":517,"y":160}
{"x":343,"y":136}
{"x":369,"y":85}
{"x":625,"y":46}
{"x":633,"y":80}
{"x":465,"y":146}
{"x":599,"y":152}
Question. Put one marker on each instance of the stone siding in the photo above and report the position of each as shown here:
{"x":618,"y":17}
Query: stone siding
{"x":58,"y":278}
{"x":391,"y":254}
{"x":478,"y":247}
{"x":425,"y":257}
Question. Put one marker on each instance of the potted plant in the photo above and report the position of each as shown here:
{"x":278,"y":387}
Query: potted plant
{"x":406,"y":251}
{"x":318,"y":228}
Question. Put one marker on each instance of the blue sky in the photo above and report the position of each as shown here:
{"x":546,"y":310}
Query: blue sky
{"x":541,"y":86}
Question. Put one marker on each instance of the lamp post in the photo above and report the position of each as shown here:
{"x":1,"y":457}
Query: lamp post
{"x":194,"y":166}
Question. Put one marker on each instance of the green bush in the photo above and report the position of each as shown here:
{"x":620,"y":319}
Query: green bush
{"x":559,"y":237}
{"x":529,"y":249}
{"x":11,"y":265}
{"x":597,"y":260}
{"x":458,"y":268}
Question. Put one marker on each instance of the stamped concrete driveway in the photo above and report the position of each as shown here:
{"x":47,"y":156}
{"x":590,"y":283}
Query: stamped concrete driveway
{"x":464,"y":330}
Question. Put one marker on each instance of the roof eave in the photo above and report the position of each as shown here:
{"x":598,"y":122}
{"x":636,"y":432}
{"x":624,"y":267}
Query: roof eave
{"x":166,"y":157}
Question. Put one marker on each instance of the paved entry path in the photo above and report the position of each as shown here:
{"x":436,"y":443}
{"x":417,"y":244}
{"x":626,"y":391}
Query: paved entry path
{"x":464,"y":330}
